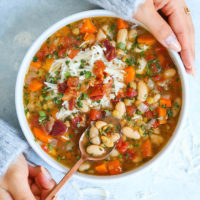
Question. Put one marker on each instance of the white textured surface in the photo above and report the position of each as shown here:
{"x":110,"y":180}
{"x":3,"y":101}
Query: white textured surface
{"x":175,"y":177}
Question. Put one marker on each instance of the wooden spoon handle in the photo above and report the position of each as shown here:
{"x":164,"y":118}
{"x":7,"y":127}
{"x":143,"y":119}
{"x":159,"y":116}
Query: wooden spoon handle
{"x":56,"y":189}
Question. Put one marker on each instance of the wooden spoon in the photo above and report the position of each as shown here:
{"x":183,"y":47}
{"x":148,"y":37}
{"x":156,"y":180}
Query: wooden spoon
{"x":84,"y":156}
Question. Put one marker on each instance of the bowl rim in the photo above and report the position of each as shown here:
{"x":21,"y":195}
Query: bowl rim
{"x":24,"y":124}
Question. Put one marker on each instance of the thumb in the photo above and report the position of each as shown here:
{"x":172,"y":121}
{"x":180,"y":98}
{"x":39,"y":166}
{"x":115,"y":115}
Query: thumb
{"x":158,"y":27}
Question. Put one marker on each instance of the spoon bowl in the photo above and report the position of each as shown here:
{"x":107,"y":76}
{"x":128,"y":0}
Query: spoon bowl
{"x":85,"y":156}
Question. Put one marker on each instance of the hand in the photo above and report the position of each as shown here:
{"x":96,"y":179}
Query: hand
{"x":25,"y":182}
{"x":176,"y":32}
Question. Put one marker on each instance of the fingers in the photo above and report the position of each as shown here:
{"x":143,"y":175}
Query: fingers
{"x":4,"y":195}
{"x":20,"y":189}
{"x":184,"y":32}
{"x":45,"y":180}
{"x":42,"y":177}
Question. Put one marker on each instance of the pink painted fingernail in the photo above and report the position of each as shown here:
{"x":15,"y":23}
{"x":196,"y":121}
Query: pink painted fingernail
{"x":173,"y":43}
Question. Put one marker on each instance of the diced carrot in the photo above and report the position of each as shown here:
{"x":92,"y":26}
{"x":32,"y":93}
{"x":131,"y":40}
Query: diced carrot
{"x":101,"y":168}
{"x":63,"y":31}
{"x":130,"y":74}
{"x":146,"y":39}
{"x":162,"y":115}
{"x":165,"y":102}
{"x":53,"y":113}
{"x":48,"y":64}
{"x":121,"y":24}
{"x":89,"y":37}
{"x":88,"y":27}
{"x":114,"y":167}
{"x":147,"y":149}
{"x":36,"y":64}
{"x":39,"y":134}
{"x":35,"y":85}
{"x":73,"y":53}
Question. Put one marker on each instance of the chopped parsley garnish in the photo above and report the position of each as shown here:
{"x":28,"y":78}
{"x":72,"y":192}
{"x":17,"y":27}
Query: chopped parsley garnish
{"x":59,"y":158}
{"x":176,"y":105}
{"x":49,"y":56}
{"x":35,"y":59}
{"x":56,"y":100}
{"x":26,"y":111}
{"x":80,"y":104}
{"x":55,"y":53}
{"x":67,"y":74}
{"x":88,"y":74}
{"x":50,"y":147}
{"x":128,"y":118}
{"x":42,"y":116}
{"x":112,"y":27}
{"x":131,"y":61}
{"x":121,"y":46}
{"x":151,"y":108}
{"x":67,"y":62}
{"x":169,"y":113}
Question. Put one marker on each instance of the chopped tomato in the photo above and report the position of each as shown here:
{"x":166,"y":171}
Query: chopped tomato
{"x":62,"y":52}
{"x":156,"y":124}
{"x":68,"y":42}
{"x":95,"y":114}
{"x":149,"y":114}
{"x":122,"y":146}
{"x":130,"y":155}
{"x":130,"y":110}
{"x":75,"y":121}
{"x":131,"y":93}
{"x":73,"y":53}
{"x":72,"y":103}
{"x":147,"y":149}
{"x":48,"y":63}
{"x":96,"y":92}
{"x":98,"y":70}
{"x":72,"y":81}
{"x":114,"y":167}
{"x":88,"y":27}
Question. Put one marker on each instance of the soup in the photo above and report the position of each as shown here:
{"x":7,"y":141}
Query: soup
{"x":99,"y":67}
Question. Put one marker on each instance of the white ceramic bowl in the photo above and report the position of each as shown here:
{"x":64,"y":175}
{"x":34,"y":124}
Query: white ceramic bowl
{"x":20,"y":108}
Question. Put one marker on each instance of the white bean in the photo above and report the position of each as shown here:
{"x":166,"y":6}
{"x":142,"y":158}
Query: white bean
{"x":142,"y":64}
{"x":120,"y":110}
{"x":93,"y":132}
{"x":169,"y":73}
{"x":113,"y":43}
{"x":156,"y":139}
{"x":130,"y":133}
{"x":156,"y":98}
{"x":128,"y":45}
{"x":95,"y":150}
{"x":100,"y":35}
{"x":100,"y":124}
{"x":142,"y":91}
{"x":132,"y":34}
{"x":95,"y":140}
{"x":85,"y":166}
{"x":176,"y":107}
{"x":106,"y":29}
{"x":122,"y":36}
{"x":114,"y":153}
{"x":85,"y":107}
